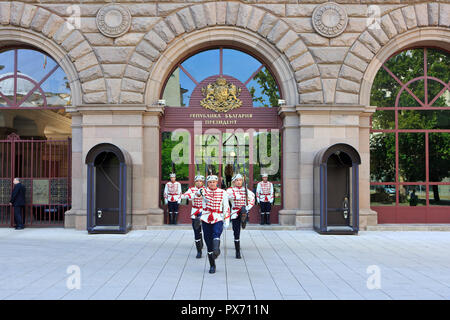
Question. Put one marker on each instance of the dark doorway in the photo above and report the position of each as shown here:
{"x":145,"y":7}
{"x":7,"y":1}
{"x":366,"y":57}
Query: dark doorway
{"x":107,"y":180}
{"x":109,"y":191}
{"x":338,"y":189}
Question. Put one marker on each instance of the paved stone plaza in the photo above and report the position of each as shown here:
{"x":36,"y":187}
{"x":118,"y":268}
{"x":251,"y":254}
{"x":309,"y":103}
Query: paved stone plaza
{"x":276,"y":264}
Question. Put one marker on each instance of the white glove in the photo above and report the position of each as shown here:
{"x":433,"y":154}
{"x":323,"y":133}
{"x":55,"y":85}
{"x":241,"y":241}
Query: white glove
{"x":226,"y":223}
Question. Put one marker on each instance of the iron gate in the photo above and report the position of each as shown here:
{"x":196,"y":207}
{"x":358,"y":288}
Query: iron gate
{"x":44,"y":168}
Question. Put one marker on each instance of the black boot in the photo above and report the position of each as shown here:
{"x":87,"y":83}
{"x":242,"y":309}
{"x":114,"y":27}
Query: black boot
{"x":216,"y":248}
{"x":262,"y":218}
{"x":175,"y":218}
{"x":212,"y":263}
{"x":267,"y":218}
{"x":170,"y":218}
{"x":199,"y":246}
{"x":237,"y":246}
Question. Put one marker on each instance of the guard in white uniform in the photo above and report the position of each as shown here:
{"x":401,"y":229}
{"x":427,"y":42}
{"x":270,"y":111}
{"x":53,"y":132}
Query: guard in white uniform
{"x":196,"y":211}
{"x":215,"y":215}
{"x":265,"y":196}
{"x":172,"y":197}
{"x":242,"y":200}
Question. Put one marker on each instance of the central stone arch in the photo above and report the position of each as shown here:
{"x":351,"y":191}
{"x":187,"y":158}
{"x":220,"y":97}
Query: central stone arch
{"x":254,"y":29}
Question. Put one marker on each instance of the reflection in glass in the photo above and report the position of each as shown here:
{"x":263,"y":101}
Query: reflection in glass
{"x":383,"y":195}
{"x":383,"y":120}
{"x":168,"y":164}
{"x":411,"y":157}
{"x":412,"y":195}
{"x":382,"y":157}
{"x":440,"y":195}
{"x":439,"y":156}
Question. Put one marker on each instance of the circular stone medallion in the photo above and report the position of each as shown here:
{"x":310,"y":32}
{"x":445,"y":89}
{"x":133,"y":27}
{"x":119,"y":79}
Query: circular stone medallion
{"x":329,"y":19}
{"x":113,"y":20}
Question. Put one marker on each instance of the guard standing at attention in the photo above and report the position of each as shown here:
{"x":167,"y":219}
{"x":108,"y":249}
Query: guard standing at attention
{"x":172,"y":197}
{"x":215,"y":215}
{"x":265,"y":197}
{"x":242,"y":200}
{"x":196,"y":211}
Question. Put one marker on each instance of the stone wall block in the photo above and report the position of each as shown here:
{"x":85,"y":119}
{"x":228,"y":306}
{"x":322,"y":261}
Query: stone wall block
{"x":136,"y":73}
{"x":369,"y":42}
{"x":244,"y":14}
{"x":295,"y":50}
{"x":232,"y":13}
{"x":307,"y":73}
{"x":175,"y":25}
{"x":444,"y":15}
{"x":5,"y":12}
{"x":40,"y":19}
{"x":256,"y":19}
{"x":388,"y":26}
{"x":52,"y":25}
{"x":433,"y":14}
{"x":156,"y":41}
{"x":278,"y":32}
{"x":74,"y":39}
{"x":286,"y":41}
{"x":16,"y":12}
{"x":422,"y":14}
{"x":27,"y":16}
{"x":409,"y":14}
{"x":210,"y":13}
{"x":362,"y":51}
{"x":198,"y":14}
{"x":163,"y":31}
{"x":186,"y":19}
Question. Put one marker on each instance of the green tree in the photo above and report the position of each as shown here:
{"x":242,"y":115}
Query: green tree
{"x":268,"y":86}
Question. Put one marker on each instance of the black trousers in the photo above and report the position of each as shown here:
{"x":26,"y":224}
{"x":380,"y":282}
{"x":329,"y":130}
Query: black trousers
{"x":197,"y":232}
{"x":173,"y":206}
{"x":18,"y":217}
{"x":236,"y":227}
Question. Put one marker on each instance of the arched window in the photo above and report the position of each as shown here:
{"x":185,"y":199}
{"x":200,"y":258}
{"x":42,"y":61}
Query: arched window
{"x":221,"y":118}
{"x":32,"y":79}
{"x":410,"y":138}
{"x":242,"y":66}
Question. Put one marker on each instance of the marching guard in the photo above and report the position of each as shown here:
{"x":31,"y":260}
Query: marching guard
{"x":265,"y":197}
{"x":242,"y":200}
{"x":215,"y":215}
{"x":196,"y":211}
{"x":172,"y":197}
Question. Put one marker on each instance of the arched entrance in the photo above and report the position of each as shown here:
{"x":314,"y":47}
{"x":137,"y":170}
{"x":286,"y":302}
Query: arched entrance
{"x":109,"y":189}
{"x":221,"y":118}
{"x":35,"y":134}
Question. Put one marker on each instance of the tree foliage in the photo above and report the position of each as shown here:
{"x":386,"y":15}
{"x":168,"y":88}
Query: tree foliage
{"x":406,"y":66}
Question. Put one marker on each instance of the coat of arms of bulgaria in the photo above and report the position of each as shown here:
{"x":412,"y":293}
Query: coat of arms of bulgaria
{"x":221,"y":96}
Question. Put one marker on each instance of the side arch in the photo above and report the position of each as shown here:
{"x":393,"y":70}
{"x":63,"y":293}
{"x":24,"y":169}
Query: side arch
{"x":420,"y":24}
{"x":28,"y":24}
{"x":208,"y":24}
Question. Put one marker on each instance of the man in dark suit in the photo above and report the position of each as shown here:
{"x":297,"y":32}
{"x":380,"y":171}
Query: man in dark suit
{"x":18,"y":202}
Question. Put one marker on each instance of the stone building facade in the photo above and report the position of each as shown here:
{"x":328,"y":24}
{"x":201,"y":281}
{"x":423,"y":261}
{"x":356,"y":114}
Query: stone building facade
{"x":325,"y":76}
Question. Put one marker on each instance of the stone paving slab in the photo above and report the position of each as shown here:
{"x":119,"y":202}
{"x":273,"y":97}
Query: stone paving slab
{"x":276,"y":264}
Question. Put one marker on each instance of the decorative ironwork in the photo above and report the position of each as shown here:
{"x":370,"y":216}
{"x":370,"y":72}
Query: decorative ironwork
{"x":5,"y":191}
{"x":221,"y":96}
{"x":59,"y":191}
{"x":41,"y":191}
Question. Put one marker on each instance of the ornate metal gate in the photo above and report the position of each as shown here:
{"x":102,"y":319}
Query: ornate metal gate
{"x":44,"y":168}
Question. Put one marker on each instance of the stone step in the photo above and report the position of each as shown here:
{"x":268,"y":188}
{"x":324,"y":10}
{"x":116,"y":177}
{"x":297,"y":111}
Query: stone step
{"x":409,"y":227}
{"x":249,"y":227}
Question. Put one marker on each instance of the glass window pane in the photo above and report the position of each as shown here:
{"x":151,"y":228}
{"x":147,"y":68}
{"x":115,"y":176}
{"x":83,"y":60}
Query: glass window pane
{"x":383,"y":120}
{"x":436,"y":96}
{"x":429,"y":119}
{"x":382,"y":157}
{"x":411,"y":157}
{"x":438,"y":64}
{"x":384,"y":90}
{"x":277,"y":192}
{"x":178,"y":89}
{"x":439,"y":156}
{"x":34,"y":64}
{"x":203,"y":64}
{"x":6,"y":62}
{"x":264,"y":89}
{"x":267,"y":155}
{"x":383,"y":195}
{"x":407,"y":100}
{"x":175,"y":155}
{"x":407,"y":65}
{"x":440,"y":195}
{"x":238,"y":64}
{"x":412,"y":196}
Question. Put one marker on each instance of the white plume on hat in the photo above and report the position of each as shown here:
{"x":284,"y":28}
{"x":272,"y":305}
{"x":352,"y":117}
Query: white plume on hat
{"x":199,"y":177}
{"x":237,"y":176}
{"x":264,"y":175}
{"x":212,"y":178}
{"x":173,"y":175}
